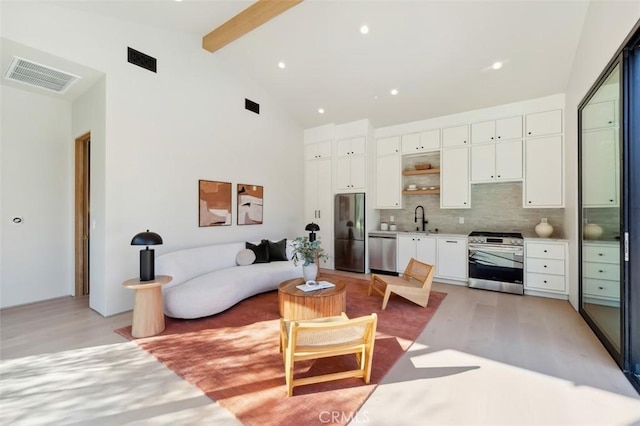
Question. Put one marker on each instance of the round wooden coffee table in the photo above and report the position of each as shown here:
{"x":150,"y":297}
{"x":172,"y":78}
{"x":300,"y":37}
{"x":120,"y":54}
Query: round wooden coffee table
{"x":295,"y":304}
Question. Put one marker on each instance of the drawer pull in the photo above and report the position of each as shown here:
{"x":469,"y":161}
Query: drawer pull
{"x":545,"y":266}
{"x":545,"y":251}
{"x":545,"y":281}
{"x":600,"y":270}
{"x":601,"y":288}
{"x":600,"y":254}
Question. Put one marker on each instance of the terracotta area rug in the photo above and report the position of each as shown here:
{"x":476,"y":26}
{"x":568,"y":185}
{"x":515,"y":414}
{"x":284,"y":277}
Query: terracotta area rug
{"x":233,"y":357}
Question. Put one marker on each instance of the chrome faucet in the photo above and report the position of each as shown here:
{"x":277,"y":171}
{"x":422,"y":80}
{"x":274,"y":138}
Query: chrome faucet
{"x":424,"y":219}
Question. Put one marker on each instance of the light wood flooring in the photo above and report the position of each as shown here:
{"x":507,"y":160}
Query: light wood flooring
{"x":485,"y":358}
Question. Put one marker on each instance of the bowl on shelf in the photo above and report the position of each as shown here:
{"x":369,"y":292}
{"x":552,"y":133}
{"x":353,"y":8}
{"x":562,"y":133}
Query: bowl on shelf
{"x":422,"y":166}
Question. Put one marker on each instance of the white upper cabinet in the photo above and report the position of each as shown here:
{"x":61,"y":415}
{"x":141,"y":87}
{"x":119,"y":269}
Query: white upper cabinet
{"x":600,"y":157}
{"x":355,"y":146}
{"x":498,"y":130}
{"x":454,"y":175}
{"x":316,"y":151}
{"x":388,"y":185}
{"x":388,"y":146}
{"x":599,"y":114}
{"x":351,"y":169}
{"x":509,"y":128}
{"x":543,"y":123}
{"x":496,"y":162}
{"x":421,"y":142}
{"x":543,"y":180}
{"x":455,"y":136}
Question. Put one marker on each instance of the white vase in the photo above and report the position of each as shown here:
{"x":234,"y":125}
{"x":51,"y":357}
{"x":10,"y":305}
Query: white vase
{"x":310,"y":272}
{"x":592,"y":231}
{"x":544,"y":229}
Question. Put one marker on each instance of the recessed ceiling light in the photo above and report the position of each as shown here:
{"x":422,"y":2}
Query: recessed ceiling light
{"x":375,"y":97}
{"x":320,"y":110}
{"x":394,"y":92}
{"x":364,"y":29}
{"x":282,"y":65}
{"x":496,"y":65}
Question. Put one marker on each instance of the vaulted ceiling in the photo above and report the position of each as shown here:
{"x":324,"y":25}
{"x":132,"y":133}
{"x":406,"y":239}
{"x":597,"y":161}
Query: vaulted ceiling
{"x":436,"y":54}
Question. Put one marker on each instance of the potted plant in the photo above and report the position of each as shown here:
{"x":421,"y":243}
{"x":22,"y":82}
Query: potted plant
{"x":307,"y":252}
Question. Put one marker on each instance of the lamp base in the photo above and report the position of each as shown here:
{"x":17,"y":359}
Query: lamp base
{"x":147,"y":265}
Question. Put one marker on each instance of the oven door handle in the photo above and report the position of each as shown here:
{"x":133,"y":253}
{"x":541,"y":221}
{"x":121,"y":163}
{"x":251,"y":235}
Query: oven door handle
{"x":498,"y":249}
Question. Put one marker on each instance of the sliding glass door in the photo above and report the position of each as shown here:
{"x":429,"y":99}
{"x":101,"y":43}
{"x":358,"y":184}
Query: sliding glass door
{"x":609,"y":201}
{"x":601,"y":203}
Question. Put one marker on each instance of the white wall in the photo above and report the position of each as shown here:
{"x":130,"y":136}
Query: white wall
{"x":606,"y":26}
{"x":37,"y":185}
{"x":165,"y":131}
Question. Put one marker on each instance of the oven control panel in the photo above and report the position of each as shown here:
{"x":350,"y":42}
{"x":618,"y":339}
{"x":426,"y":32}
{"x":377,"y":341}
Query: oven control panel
{"x":496,"y":240}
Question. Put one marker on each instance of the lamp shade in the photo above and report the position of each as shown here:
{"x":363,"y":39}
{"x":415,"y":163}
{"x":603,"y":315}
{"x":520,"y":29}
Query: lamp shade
{"x":313,"y":227}
{"x":146,"y":239}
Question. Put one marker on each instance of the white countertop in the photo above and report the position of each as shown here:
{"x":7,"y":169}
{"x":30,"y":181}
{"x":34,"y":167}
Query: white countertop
{"x":421,"y":234}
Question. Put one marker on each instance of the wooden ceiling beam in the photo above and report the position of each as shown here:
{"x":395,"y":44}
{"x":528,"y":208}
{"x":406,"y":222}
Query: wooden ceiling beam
{"x":249,"y":19}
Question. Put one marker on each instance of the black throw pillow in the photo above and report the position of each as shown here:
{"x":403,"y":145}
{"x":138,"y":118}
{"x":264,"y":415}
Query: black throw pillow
{"x":277,"y":250}
{"x":261,"y":250}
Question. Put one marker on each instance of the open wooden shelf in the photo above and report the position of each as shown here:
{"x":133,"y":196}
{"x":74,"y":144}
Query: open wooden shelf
{"x":422,"y":192}
{"x":420,"y":172}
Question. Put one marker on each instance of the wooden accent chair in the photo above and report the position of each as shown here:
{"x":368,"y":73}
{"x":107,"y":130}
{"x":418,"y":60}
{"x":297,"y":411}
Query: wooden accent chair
{"x":414,"y":284}
{"x":326,"y":337}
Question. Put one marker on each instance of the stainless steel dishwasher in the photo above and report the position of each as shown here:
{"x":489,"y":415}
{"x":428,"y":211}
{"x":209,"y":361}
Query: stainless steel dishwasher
{"x":382,"y":253}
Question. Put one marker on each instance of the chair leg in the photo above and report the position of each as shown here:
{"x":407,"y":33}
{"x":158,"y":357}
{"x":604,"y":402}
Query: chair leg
{"x":387,"y":293}
{"x":288,"y":373}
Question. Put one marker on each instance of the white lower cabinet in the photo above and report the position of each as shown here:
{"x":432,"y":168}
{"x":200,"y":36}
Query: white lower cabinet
{"x":546,"y":267}
{"x":601,"y":273}
{"x":453,"y":257}
{"x":419,"y":247}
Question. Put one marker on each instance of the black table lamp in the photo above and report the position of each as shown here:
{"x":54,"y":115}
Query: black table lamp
{"x":313,"y":228}
{"x":147,"y":257}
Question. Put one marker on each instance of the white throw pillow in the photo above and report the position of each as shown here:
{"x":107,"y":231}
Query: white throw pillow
{"x":245,"y":257}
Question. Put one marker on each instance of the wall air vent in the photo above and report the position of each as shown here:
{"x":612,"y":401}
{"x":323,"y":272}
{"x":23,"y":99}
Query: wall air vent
{"x":38,"y":75}
{"x":251,"y":106}
{"x":142,"y":60}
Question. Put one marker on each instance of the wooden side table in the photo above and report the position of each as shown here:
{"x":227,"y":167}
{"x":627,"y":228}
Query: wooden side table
{"x":148,"y":313}
{"x":295,"y":304}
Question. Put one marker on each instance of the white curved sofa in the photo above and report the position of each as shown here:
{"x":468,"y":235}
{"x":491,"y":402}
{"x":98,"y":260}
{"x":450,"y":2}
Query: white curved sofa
{"x":207,"y":280}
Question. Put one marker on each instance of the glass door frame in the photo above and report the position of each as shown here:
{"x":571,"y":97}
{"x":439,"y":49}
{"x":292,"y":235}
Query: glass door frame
{"x":618,"y":356}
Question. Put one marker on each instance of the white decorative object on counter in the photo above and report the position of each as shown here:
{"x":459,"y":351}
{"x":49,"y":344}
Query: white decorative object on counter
{"x":544,"y":229}
{"x":592,"y":231}
{"x":384,"y":226}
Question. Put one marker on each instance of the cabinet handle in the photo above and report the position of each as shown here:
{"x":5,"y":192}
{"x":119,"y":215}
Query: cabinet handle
{"x":529,"y":202}
{"x":545,"y":251}
{"x":545,"y":281}
{"x":545,"y":266}
{"x":611,"y":201}
{"x":491,"y":137}
{"x":499,"y":137}
{"x":600,"y":270}
{"x":600,"y":254}
{"x":465,"y":142}
{"x":465,"y":202}
{"x":318,"y":214}
{"x":529,"y":133}
{"x":491,"y":176}
{"x":498,"y":175}
{"x":454,"y":242}
{"x":600,"y":288}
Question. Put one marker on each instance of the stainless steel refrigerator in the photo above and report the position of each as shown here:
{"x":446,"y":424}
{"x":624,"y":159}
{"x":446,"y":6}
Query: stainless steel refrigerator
{"x":349,"y":232}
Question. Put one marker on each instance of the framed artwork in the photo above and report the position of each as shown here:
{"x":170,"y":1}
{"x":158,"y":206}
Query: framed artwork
{"x":250,"y":199}
{"x":214,"y":203}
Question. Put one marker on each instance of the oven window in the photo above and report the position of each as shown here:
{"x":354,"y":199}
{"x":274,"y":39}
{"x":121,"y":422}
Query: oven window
{"x":496,"y":266}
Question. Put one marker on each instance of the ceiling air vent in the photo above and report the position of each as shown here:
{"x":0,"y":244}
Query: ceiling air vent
{"x":37,"y":75}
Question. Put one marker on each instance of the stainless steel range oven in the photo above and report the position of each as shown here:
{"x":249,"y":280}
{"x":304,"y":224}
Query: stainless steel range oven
{"x":496,"y":261}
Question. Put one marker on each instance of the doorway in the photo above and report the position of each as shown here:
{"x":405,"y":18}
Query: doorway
{"x":82,"y":213}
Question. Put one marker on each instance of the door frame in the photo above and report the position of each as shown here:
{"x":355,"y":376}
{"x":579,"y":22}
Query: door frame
{"x":81,"y":212}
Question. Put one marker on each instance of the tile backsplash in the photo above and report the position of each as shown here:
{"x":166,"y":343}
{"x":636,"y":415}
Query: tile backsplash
{"x":494,"y":207}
